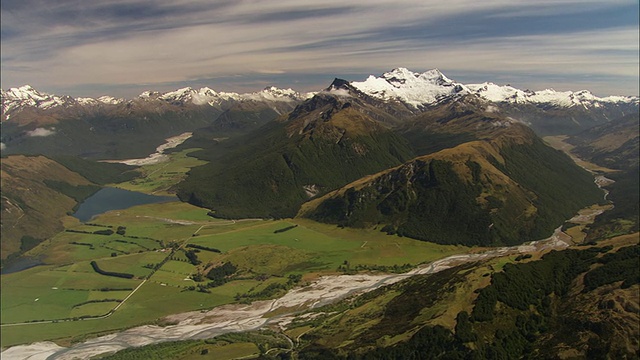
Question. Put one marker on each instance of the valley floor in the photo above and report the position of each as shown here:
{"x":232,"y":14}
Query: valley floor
{"x":278,"y":312}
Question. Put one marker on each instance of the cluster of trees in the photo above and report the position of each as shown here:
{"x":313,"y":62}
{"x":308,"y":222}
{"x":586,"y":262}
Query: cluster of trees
{"x":192,"y":256}
{"x":285,"y":229}
{"x":97,"y":232}
{"x":201,"y":247}
{"x":270,"y":290}
{"x":523,"y":285}
{"x":83,"y":244}
{"x":347,"y":268}
{"x":622,"y":266}
{"x":96,"y":301}
{"x":222,"y":272}
{"x":97,"y":269}
{"x":218,"y":275}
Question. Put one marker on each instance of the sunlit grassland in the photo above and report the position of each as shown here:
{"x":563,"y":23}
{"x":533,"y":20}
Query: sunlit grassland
{"x":326,"y":246}
{"x":151,"y":302}
{"x":159,"y":178}
{"x":47,"y":293}
{"x":131,"y":264}
{"x":170,"y":210}
{"x":253,"y":246}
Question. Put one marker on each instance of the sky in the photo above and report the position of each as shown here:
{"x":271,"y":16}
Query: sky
{"x":124,"y":47}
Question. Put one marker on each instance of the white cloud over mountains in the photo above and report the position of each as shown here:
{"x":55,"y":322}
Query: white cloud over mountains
{"x":92,"y":46}
{"x":42,"y":132}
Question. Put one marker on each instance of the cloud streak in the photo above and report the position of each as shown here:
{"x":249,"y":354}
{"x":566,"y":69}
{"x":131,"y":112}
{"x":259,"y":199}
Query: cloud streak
{"x":92,"y":47}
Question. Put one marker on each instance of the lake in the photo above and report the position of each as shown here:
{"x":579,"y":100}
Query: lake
{"x":109,"y":198}
{"x":19,"y":264}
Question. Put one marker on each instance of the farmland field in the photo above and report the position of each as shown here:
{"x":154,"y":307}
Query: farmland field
{"x":152,"y":245}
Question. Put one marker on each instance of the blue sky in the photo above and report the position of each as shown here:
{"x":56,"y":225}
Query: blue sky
{"x":123,"y":47}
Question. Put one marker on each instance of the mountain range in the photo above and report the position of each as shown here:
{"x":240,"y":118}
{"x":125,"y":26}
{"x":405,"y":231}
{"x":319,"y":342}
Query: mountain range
{"x":28,"y":113}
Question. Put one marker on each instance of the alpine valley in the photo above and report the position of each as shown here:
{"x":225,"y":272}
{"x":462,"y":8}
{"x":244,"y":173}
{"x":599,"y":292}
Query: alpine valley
{"x":405,"y":216}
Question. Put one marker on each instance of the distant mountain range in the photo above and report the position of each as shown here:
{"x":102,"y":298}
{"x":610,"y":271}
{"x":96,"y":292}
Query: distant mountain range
{"x":416,"y":90}
{"x":547,"y":111}
{"x":110,"y":128}
{"x":25,"y":97}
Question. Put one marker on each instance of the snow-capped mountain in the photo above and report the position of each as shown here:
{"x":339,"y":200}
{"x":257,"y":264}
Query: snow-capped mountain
{"x":26,"y":97}
{"x":422,"y":90}
{"x":508,"y":94}
{"x":16,"y":99}
{"x":417,"y":90}
{"x":208,"y":96}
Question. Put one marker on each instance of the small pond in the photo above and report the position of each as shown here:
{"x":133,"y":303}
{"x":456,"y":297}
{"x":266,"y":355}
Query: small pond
{"x":108,"y":199}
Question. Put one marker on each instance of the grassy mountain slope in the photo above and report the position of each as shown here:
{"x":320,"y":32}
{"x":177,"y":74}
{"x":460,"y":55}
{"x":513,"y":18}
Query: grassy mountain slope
{"x":539,"y":309}
{"x":505,"y":191}
{"x":38,"y":192}
{"x":323,"y":144}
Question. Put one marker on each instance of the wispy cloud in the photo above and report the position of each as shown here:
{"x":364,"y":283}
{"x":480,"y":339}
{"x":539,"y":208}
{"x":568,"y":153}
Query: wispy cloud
{"x":91,"y":47}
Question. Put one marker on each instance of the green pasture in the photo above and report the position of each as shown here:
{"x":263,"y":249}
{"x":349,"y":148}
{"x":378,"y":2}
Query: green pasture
{"x":252,"y":245}
{"x":156,"y":212}
{"x":178,"y":267}
{"x":223,"y":226}
{"x":171,"y":279}
{"x":208,"y":256}
{"x":131,"y":264}
{"x":46,"y":293}
{"x":159,"y":178}
{"x":101,"y":295}
{"x":312,"y":246}
{"x":92,"y":309}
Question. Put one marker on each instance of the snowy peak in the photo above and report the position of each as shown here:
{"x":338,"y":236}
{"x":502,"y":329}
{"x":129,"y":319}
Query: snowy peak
{"x":414,"y":89}
{"x":28,"y":96}
{"x":209,"y":96}
{"x":567,"y":99}
{"x":422,"y":90}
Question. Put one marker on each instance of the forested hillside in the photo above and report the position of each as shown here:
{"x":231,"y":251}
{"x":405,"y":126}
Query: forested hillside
{"x":507,"y":191}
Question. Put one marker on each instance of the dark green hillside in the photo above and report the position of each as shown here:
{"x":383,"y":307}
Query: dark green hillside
{"x":323,"y":145}
{"x":534,"y":310}
{"x":100,"y":173}
{"x":432,"y":204}
{"x":466,"y":196}
{"x":559,"y":186}
{"x":451,"y":124}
